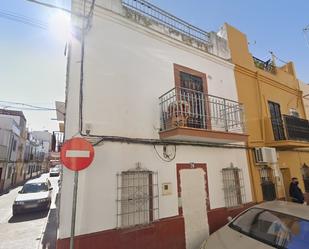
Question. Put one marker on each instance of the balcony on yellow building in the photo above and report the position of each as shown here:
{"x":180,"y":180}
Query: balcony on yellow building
{"x":267,"y":66}
{"x":289,"y":132}
{"x":195,"y":116}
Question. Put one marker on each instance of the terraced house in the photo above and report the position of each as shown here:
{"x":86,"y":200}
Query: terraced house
{"x":276,"y":120}
{"x":158,"y":99}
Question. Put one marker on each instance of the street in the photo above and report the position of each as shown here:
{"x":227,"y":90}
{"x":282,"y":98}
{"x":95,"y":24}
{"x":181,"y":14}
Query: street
{"x":28,"y":231}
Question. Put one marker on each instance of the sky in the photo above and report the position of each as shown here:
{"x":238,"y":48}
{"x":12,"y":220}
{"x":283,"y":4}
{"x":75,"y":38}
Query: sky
{"x":270,"y":25}
{"x":32,"y":61}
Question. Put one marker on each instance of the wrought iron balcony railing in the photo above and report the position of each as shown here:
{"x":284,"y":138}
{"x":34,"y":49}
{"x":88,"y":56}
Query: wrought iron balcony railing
{"x":296,"y":128}
{"x":264,"y":65}
{"x":182,"y":107}
{"x":164,"y":18}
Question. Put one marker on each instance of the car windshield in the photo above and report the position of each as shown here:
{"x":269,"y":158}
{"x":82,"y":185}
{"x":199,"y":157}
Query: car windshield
{"x":34,"y":188}
{"x":273,"y":228}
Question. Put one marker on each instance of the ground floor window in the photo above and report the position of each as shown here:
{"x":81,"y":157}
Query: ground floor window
{"x":137,"y":197}
{"x":234,"y":187}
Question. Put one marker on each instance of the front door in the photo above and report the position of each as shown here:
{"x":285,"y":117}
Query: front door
{"x":286,"y":175}
{"x":193,"y":194}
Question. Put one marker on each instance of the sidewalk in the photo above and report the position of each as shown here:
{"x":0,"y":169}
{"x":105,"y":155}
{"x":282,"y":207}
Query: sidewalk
{"x":49,"y":233}
{"x":49,"y":236}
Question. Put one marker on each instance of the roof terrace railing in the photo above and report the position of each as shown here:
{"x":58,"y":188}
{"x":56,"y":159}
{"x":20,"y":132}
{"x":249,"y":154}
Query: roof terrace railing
{"x":166,"y":19}
{"x":264,"y":65}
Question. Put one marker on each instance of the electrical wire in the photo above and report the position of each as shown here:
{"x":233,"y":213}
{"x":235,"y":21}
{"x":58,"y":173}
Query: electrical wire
{"x":50,"y":6}
{"x":22,"y":19}
{"x":275,"y":56}
{"x":163,"y":159}
{"x":24,"y":104}
{"x":305,"y":31}
{"x":81,"y":96}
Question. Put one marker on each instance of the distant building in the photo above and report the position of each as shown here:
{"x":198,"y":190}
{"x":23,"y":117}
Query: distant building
{"x":12,"y":145}
{"x":44,"y":139}
{"x":23,"y":154}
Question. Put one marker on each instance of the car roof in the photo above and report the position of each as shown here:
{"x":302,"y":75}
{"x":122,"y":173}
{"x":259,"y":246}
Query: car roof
{"x":37,"y":180}
{"x":294,"y":209}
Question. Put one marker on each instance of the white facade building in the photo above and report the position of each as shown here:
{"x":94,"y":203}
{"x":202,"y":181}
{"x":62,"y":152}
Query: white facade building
{"x":159,"y":101}
{"x":9,"y":143}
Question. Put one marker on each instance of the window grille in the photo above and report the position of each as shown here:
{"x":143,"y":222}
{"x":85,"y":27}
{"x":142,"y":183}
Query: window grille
{"x":137,"y":198}
{"x":265,"y":174}
{"x":233,"y":185}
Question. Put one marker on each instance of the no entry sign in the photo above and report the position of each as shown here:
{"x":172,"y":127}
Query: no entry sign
{"x":76,"y":154}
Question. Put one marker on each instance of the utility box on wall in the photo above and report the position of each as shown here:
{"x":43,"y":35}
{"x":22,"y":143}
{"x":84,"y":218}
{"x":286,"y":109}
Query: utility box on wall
{"x":166,"y":188}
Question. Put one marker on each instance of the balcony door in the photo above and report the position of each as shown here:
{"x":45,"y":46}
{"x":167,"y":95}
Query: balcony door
{"x":276,"y":120}
{"x":191,"y":87}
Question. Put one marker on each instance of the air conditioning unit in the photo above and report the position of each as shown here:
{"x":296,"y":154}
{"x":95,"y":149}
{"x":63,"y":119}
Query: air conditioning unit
{"x":265,"y":155}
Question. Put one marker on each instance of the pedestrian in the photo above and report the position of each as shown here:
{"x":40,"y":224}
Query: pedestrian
{"x":295,"y":192}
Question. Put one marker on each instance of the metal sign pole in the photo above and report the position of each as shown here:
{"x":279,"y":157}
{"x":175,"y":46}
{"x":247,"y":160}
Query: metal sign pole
{"x":74,"y":210}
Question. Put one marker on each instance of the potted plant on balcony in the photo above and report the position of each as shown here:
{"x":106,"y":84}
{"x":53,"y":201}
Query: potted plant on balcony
{"x":178,"y":114}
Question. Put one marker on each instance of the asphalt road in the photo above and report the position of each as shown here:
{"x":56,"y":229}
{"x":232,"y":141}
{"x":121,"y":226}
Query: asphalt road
{"x":28,"y":231}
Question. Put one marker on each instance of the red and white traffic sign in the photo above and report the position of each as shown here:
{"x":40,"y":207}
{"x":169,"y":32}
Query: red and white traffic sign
{"x":77,"y":154}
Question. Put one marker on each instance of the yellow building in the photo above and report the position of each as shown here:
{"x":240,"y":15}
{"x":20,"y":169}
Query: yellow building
{"x":275,"y":118}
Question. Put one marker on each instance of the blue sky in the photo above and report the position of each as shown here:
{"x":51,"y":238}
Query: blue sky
{"x":269,"y":25}
{"x":32,"y":64}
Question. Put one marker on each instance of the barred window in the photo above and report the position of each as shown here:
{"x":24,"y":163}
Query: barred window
{"x":266,"y":174}
{"x":233,"y":185}
{"x":137,"y":197}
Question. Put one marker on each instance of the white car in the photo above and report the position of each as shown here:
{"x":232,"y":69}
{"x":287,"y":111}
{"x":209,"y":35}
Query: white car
{"x":55,"y":171}
{"x":35,"y":195}
{"x":275,"y":224}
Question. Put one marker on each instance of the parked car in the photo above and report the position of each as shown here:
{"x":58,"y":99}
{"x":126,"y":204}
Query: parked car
{"x":275,"y":224}
{"x":55,"y":171}
{"x":35,"y":195}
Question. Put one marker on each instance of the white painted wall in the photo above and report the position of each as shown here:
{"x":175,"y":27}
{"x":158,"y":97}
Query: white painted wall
{"x":97,"y":184}
{"x":127,"y":68}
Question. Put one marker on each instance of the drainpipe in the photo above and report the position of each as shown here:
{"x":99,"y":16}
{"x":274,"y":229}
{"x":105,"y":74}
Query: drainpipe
{"x":260,"y":106}
{"x":252,"y":182}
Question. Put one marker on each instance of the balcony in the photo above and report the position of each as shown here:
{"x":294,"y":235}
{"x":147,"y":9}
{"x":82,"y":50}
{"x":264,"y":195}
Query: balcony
{"x":264,"y":65}
{"x":194,"y":116}
{"x":290,"y":132}
{"x":296,"y":128}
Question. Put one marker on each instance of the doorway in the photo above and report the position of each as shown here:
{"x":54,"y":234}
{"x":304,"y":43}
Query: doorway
{"x":286,"y":175}
{"x":192,"y":183}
